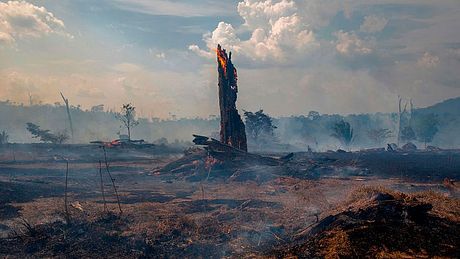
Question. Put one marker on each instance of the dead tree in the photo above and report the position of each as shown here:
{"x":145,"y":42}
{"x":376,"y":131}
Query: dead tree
{"x":232,"y":129}
{"x":128,"y":117}
{"x":401,"y":113}
{"x":66,"y":101}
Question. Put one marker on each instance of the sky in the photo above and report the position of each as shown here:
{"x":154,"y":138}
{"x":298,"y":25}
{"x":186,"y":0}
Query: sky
{"x":292,"y":56}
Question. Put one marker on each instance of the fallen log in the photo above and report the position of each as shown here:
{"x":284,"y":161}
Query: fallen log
{"x":225,"y":152}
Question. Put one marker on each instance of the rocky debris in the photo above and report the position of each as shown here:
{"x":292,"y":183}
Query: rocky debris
{"x":379,"y":224}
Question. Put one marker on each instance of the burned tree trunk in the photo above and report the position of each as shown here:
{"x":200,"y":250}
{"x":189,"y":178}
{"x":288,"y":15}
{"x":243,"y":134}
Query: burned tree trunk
{"x":66,"y":101}
{"x":232,"y":130}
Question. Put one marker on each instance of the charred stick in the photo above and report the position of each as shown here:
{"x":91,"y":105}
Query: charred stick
{"x":111,"y":179}
{"x":102,"y":186}
{"x":67,"y":215}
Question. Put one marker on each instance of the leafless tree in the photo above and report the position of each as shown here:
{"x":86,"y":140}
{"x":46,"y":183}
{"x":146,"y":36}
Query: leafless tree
{"x":4,"y":137}
{"x":66,"y":101}
{"x":401,"y":113}
{"x":127,"y":116}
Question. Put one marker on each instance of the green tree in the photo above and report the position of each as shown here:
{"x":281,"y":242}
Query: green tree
{"x":258,"y":124}
{"x":343,"y":131}
{"x":426,"y":127}
{"x":46,"y":135}
{"x":313,"y":115}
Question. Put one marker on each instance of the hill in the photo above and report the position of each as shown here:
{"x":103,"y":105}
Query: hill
{"x":449,"y":106}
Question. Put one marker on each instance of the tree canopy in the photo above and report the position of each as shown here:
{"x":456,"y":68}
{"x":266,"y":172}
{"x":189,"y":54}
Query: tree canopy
{"x":343,"y":131}
{"x":46,"y":135}
{"x":426,"y":127}
{"x":258,"y":124}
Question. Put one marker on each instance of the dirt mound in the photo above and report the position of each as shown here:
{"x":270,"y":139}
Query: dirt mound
{"x":383,"y":224}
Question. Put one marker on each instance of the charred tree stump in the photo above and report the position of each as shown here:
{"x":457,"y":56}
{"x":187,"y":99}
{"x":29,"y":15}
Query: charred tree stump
{"x":232,"y":129}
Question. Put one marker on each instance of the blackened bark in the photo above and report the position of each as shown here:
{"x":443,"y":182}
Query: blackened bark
{"x":232,"y":130}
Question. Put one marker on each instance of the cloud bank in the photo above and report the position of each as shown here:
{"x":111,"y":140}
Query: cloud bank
{"x":277,"y":33}
{"x":292,"y":56}
{"x":19,"y":19}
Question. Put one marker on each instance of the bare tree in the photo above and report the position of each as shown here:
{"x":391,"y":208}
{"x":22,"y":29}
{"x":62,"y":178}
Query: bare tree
{"x":4,"y":137}
{"x":66,"y":101}
{"x":128,"y":117}
{"x":402,"y":112}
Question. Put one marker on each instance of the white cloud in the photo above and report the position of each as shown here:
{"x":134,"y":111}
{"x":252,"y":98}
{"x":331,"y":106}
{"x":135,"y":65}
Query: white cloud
{"x":160,"y":55}
{"x":257,"y":13}
{"x":175,"y":8}
{"x":278,"y":33}
{"x":428,"y":60}
{"x":200,"y":52}
{"x":348,"y":44}
{"x":373,"y":23}
{"x":6,"y":38}
{"x":19,"y":19}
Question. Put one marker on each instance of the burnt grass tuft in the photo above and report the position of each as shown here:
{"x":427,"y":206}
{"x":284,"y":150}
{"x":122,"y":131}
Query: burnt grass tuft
{"x":104,"y":237}
{"x":378,"y":223}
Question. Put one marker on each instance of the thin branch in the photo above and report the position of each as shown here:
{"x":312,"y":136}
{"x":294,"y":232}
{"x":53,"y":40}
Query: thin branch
{"x":67,"y":214}
{"x":102,"y":186}
{"x":111,"y":178}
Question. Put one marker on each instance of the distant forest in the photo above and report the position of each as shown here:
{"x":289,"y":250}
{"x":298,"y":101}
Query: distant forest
{"x":438,"y":125}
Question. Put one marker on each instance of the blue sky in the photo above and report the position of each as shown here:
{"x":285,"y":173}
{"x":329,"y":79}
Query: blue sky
{"x":292,"y":56}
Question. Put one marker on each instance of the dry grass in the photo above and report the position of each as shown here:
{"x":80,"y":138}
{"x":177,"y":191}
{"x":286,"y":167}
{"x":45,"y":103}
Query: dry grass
{"x":380,"y":223}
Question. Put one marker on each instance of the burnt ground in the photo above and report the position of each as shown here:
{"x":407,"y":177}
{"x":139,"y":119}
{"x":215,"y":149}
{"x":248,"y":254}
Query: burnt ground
{"x":315,"y":205}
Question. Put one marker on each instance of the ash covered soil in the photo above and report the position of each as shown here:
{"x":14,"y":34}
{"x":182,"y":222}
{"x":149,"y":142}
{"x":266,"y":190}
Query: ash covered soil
{"x":320,"y":205}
